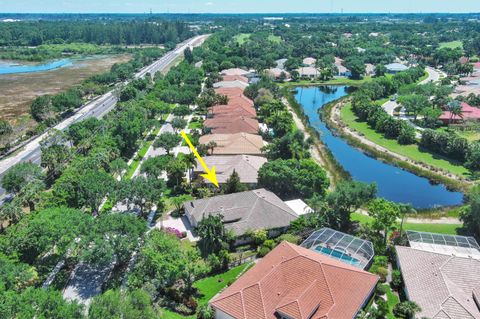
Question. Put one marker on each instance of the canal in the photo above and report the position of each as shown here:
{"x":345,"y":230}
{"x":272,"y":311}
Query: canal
{"x":14,"y":68}
{"x":393,"y":183}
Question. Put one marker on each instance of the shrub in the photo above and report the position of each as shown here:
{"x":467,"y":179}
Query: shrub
{"x":397,"y":281}
{"x":382,"y":272}
{"x":381,"y":289}
{"x":263,"y":251}
{"x":205,"y":312}
{"x":382,"y":306}
{"x":381,"y":261}
{"x":288,"y":237}
{"x":259,"y":236}
{"x":269,"y":243}
{"x":406,"y":309}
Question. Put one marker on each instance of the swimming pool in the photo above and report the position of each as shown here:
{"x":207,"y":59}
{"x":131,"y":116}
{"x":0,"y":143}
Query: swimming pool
{"x":338,"y":255}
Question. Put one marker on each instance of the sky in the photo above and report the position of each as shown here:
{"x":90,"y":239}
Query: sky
{"x":238,"y":6}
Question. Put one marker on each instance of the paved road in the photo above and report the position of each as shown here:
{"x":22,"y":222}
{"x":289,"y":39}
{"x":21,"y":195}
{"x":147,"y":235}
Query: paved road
{"x":97,"y":108}
{"x":433,"y":75}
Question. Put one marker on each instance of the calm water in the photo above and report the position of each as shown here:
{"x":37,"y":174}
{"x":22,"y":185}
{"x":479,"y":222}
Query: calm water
{"x":10,"y":68}
{"x":393,"y":183}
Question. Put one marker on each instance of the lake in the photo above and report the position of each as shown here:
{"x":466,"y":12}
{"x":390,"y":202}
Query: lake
{"x":393,"y":183}
{"x":14,"y":68}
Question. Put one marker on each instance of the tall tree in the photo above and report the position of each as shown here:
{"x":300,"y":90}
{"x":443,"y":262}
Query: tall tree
{"x":167,"y":141}
{"x":385,"y":215}
{"x":233,"y":184}
{"x":212,"y":233}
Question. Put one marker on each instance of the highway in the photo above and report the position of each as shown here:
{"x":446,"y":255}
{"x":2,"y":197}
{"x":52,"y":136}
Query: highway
{"x":96,"y":108}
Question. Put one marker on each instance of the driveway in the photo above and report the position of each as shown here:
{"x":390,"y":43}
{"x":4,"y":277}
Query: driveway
{"x":86,"y":282}
{"x":182,"y":224}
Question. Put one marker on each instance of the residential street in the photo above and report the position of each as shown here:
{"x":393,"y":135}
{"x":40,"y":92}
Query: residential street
{"x":97,"y":108}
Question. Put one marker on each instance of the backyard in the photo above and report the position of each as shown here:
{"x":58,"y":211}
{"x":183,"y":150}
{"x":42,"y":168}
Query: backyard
{"x":209,"y":287}
{"x":450,"y":229}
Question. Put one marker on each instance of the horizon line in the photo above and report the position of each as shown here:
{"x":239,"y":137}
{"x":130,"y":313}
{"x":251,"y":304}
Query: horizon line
{"x":246,"y":13}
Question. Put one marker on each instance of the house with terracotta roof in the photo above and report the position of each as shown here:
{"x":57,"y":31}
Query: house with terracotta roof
{"x":276,"y":73}
{"x":246,"y":166}
{"x":309,"y":61}
{"x":244,"y":212}
{"x":342,"y":71}
{"x":443,"y":285}
{"x":233,"y":110}
{"x":231,"y":125}
{"x":296,"y":283}
{"x":230,"y":84}
{"x":234,"y":144}
{"x":469,"y":113}
{"x":235,"y":78}
{"x":308,"y":72}
{"x":230,"y":92}
{"x":235,"y":71}
{"x":240,"y":100}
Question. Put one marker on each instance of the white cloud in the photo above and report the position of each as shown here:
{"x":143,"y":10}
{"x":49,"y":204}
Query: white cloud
{"x":209,"y":3}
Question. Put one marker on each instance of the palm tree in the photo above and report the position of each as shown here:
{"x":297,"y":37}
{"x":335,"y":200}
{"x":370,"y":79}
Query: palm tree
{"x":191,"y":162}
{"x":405,"y":209}
{"x":211,"y":146}
{"x":455,"y":109}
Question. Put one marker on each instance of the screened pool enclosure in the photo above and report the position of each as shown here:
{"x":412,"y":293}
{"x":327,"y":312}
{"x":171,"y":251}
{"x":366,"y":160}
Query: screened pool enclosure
{"x":346,"y":248}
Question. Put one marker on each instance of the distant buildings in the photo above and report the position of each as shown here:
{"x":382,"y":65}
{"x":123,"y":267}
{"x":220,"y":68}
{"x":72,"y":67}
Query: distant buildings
{"x":295,"y":282}
{"x":469,"y":113}
{"x":235,"y":71}
{"x":342,"y":71}
{"x":309,"y":61}
{"x":308,"y":72}
{"x":394,"y":68}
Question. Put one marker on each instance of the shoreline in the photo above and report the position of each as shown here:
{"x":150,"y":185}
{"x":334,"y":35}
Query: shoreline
{"x":332,"y":117}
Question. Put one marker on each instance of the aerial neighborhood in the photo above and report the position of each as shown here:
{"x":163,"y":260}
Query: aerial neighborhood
{"x":240,"y":166}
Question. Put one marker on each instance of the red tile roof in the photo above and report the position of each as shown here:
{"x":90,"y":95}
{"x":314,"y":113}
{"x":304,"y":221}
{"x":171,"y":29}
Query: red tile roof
{"x":469,"y":113}
{"x":240,"y":100}
{"x":235,"y":78}
{"x":298,"y":283}
{"x":233,"y":110}
{"x":230,"y":91}
{"x":232,"y":125}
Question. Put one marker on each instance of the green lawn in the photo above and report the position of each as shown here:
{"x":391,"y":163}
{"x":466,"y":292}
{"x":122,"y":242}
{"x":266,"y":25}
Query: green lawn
{"x":392,"y":300}
{"x":274,"y":38}
{"x":141,"y":154}
{"x":209,"y":287}
{"x":450,"y":229}
{"x":241,"y":38}
{"x":195,"y":125}
{"x":451,"y":45}
{"x":471,"y":136}
{"x":411,"y":151}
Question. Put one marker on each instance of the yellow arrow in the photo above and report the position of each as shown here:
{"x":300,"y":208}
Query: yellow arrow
{"x":211,"y":175}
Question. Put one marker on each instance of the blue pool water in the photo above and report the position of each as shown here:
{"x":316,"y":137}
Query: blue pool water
{"x":393,"y":183}
{"x":338,"y":255}
{"x":9,"y":68}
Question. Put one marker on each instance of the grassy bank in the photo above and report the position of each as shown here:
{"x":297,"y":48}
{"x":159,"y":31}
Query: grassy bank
{"x":335,"y":170}
{"x":450,"y":229}
{"x":440,"y":163}
{"x":413,"y":151}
